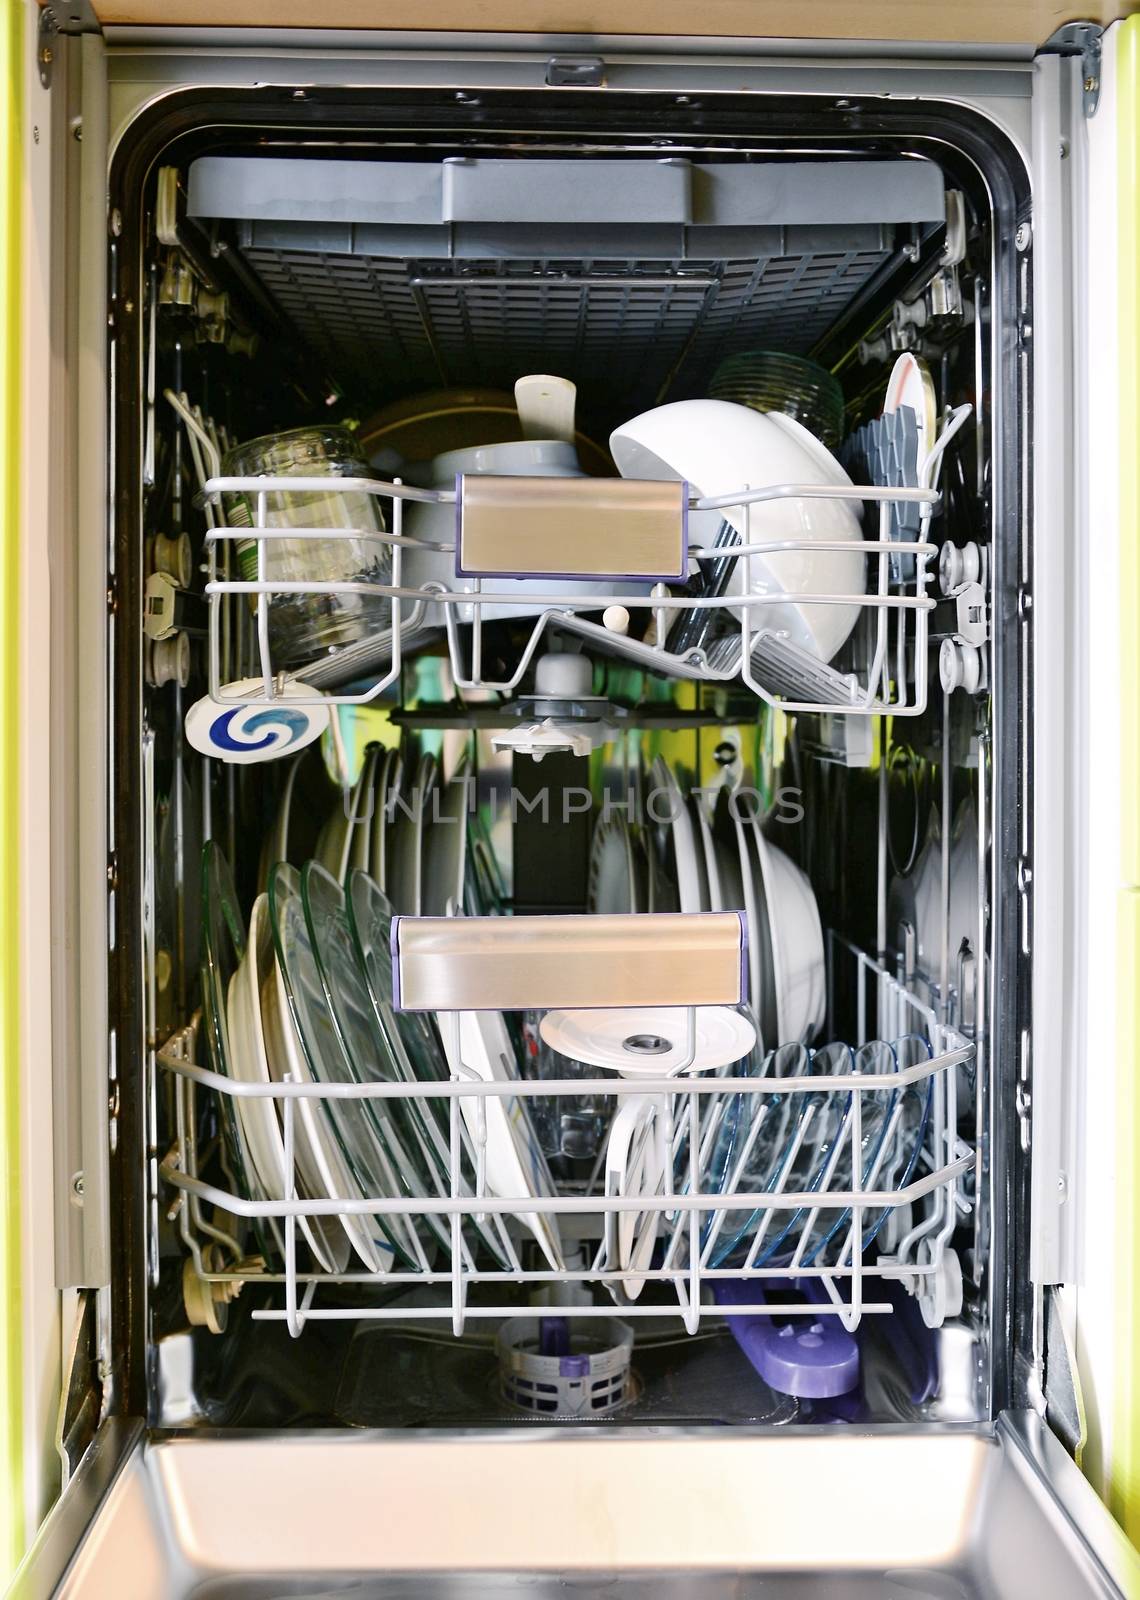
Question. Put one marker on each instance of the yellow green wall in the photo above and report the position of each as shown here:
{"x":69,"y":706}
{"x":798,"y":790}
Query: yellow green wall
{"x":11,"y":1380}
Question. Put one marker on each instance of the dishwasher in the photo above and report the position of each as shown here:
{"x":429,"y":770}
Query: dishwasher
{"x":566,"y":621}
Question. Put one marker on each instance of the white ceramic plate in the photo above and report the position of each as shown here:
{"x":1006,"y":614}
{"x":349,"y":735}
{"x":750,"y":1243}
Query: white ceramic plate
{"x":613,"y":883}
{"x":636,"y":1164}
{"x":223,"y":951}
{"x":752,"y":912}
{"x":332,"y":845}
{"x":761,"y":958}
{"x":917,"y":898}
{"x":602,"y":1038}
{"x":708,"y":851}
{"x":727,"y":854}
{"x":515,"y":1163}
{"x":260,"y":1120}
{"x":363,"y":801}
{"x":405,"y":842}
{"x":445,"y":848}
{"x":276,"y":846}
{"x":910,"y":384}
{"x":797,"y":943}
{"x":388,"y":774}
{"x":670,"y":803}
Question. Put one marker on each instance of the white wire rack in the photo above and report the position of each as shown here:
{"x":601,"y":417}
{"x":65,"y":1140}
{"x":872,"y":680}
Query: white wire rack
{"x":926,"y":1207}
{"x":893,"y":678}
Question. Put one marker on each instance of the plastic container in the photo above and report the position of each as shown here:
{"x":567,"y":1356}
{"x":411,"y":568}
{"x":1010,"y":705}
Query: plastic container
{"x":304,"y":626}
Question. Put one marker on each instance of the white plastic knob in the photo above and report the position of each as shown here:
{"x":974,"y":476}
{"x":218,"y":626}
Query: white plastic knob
{"x":616,"y":619}
{"x":562,"y":676}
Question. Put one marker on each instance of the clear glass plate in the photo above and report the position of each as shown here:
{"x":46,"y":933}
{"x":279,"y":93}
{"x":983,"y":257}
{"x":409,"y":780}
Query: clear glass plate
{"x":793,"y":1156}
{"x":355,"y":1131}
{"x":363,"y":1045}
{"x":825,"y":1231}
{"x":415,"y":1051}
{"x":890,"y":1161}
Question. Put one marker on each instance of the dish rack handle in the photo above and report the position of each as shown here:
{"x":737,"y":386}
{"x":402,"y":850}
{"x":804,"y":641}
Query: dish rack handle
{"x":590,"y":528}
{"x":567,"y":962}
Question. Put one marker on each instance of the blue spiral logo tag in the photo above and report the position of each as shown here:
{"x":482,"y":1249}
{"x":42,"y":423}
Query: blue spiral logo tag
{"x":256,"y":732}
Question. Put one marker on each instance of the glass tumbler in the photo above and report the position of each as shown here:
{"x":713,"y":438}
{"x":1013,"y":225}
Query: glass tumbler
{"x":567,"y":1125}
{"x":305,"y":626}
{"x":770,"y":380}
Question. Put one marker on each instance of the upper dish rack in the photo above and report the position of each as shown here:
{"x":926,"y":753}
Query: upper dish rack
{"x":633,"y":523}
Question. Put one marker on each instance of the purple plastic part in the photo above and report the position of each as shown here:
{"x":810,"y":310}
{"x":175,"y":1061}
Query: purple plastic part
{"x":459,"y":573}
{"x":810,"y":1358}
{"x":394,"y":946}
{"x":745,"y":981}
{"x":574,"y":1367}
{"x":554,"y":1340}
{"x":914,"y":1344}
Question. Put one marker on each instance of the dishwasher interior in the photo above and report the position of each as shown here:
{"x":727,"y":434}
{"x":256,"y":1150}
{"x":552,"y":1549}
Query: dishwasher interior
{"x":815,"y":748}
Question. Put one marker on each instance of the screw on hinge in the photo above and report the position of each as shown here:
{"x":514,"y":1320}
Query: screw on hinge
{"x":45,"y":49}
{"x":1081,"y":39}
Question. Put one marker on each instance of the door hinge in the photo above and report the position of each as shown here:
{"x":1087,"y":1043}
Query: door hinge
{"x":1080,"y":39}
{"x":70,"y":17}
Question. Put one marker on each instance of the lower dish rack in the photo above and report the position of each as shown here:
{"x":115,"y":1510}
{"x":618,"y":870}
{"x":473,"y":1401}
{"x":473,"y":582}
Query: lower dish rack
{"x":868,"y":1184}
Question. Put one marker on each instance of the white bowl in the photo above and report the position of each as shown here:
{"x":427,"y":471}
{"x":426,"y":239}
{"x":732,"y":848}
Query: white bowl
{"x":717,"y":447}
{"x":436,"y":524}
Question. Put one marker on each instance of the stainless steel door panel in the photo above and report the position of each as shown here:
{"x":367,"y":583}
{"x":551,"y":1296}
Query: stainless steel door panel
{"x":949,"y":1514}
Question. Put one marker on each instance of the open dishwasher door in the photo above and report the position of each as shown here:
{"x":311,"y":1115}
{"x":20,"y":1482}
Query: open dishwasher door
{"x":998,"y":1513}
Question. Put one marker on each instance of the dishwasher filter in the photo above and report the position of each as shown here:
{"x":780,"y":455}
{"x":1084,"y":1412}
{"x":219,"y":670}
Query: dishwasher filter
{"x":556,"y":1371}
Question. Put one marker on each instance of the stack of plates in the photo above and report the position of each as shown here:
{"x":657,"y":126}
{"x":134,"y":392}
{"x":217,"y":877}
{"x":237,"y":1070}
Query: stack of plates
{"x":307,"y":994}
{"x":780,"y":1142}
